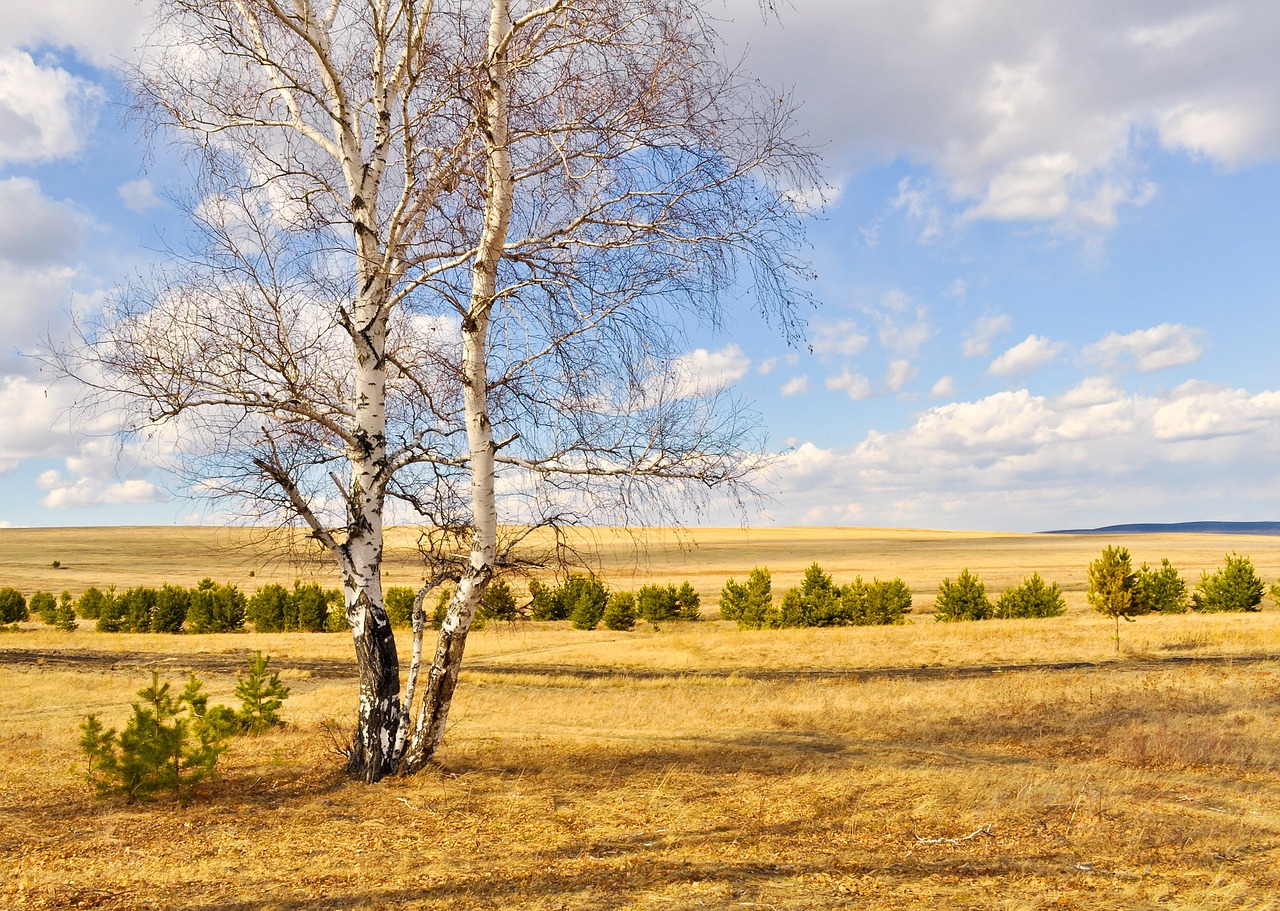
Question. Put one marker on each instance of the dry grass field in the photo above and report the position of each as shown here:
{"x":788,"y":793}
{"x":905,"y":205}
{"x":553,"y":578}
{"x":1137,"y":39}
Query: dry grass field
{"x":1005,"y":765}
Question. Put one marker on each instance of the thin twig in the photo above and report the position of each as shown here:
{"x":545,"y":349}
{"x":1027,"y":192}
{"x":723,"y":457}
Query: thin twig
{"x":985,"y":830}
{"x":1098,"y":871}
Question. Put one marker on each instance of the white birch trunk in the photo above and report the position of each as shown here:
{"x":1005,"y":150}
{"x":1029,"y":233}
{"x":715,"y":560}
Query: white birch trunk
{"x":374,"y":750}
{"x":378,"y":720}
{"x":443,"y":675}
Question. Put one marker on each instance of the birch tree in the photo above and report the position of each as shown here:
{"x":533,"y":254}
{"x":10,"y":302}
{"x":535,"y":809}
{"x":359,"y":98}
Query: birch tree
{"x":443,"y":259}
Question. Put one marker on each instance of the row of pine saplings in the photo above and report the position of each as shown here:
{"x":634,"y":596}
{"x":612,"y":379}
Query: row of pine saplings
{"x":212,"y":607}
{"x":1115,"y":589}
{"x":209,"y":607}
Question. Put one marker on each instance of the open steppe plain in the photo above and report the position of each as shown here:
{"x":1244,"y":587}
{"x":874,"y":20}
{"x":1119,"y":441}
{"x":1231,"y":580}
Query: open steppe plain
{"x":1004,"y":764}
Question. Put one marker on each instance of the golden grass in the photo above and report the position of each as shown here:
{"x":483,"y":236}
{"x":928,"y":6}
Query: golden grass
{"x":1009,"y":765}
{"x":1129,"y":784}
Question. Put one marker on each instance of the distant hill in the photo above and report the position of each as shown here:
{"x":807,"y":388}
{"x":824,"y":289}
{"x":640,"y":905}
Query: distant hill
{"x":1184,"y":528}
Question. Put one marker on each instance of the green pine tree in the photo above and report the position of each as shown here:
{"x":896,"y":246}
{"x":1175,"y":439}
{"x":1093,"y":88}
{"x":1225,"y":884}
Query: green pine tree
{"x":165,"y":746}
{"x":964,"y":599}
{"x":261,"y":696}
{"x":1113,"y":587}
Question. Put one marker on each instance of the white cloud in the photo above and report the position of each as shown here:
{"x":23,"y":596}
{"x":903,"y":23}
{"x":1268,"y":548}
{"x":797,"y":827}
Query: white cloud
{"x":977,"y":341}
{"x":39,"y":239}
{"x":30,"y":300}
{"x":901,"y":325}
{"x":815,"y":198}
{"x":34,"y":229}
{"x":1094,"y":390}
{"x":1158,"y":348}
{"x":1029,"y":354}
{"x":920,"y":200}
{"x":102,"y":32}
{"x":843,"y":338}
{"x":1093,"y":456}
{"x":854,"y":385}
{"x":34,"y":420}
{"x":45,"y":112}
{"x":701,"y":371}
{"x":1232,"y":132}
{"x":1200,"y":411}
{"x":1175,"y":34}
{"x":797,"y":385}
{"x":1038,"y":111}
{"x":139,"y":196}
{"x":773,"y":362}
{"x":1035,"y":188}
{"x":898,"y":374}
{"x":944,"y":388}
{"x":64,"y":493}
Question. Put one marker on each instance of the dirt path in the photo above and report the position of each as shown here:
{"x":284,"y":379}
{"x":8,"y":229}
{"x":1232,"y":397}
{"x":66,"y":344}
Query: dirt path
{"x":231,"y":663}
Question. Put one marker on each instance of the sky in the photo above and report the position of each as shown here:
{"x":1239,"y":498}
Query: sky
{"x":1047,"y":263}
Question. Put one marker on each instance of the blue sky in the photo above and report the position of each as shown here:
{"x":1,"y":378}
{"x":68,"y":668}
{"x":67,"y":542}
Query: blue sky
{"x":1047,"y":265}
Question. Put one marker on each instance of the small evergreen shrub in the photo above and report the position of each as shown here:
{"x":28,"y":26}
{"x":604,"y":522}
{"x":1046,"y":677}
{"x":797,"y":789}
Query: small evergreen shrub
{"x":964,"y":599}
{"x":44,"y":606}
{"x":443,"y":600}
{"x":750,"y":603}
{"x":64,"y":618}
{"x":165,"y":746}
{"x":216,"y":608}
{"x":688,"y":603}
{"x":13,"y":606}
{"x":308,"y":608}
{"x":1112,"y":587}
{"x":657,"y":603}
{"x":583,"y":600}
{"x":268,"y":609}
{"x":136,"y":606}
{"x":336,"y":613}
{"x":261,"y":696}
{"x":398,"y":601}
{"x":881,"y":603}
{"x":1034,"y":598}
{"x":815,"y":601}
{"x":111,"y":617}
{"x":170,"y":611}
{"x":1234,"y":587}
{"x":335,"y":620}
{"x":89,"y":606}
{"x":499,"y":602}
{"x":1161,"y":590}
{"x":543,"y":604}
{"x":588,"y":612}
{"x":620,"y":612}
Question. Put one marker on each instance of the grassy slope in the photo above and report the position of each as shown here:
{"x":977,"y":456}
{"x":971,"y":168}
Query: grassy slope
{"x":183,"y":555}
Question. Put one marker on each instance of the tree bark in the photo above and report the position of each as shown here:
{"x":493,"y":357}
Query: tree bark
{"x":378,"y":719}
{"x":500,"y":189}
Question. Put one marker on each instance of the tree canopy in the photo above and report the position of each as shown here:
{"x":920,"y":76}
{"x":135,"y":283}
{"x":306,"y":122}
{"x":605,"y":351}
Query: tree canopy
{"x":442,"y":255}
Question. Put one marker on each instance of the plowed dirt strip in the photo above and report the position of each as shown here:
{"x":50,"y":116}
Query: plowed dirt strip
{"x":330,"y":669}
